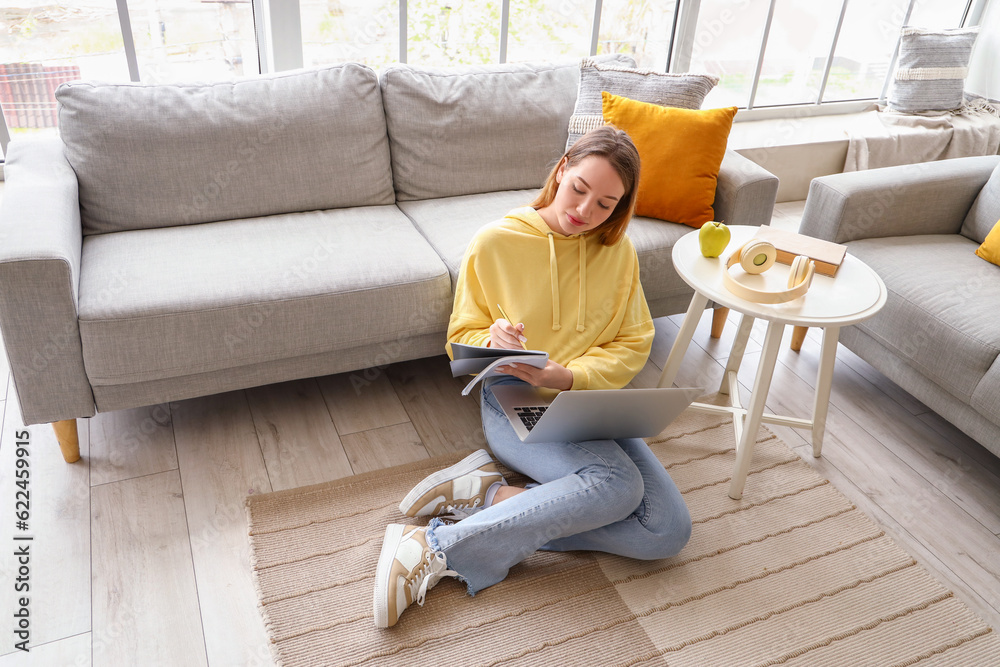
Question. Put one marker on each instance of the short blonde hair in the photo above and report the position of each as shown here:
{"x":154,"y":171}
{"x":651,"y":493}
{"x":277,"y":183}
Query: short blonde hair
{"x":616,"y":147}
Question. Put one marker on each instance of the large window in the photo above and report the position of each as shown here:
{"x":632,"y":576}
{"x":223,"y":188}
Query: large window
{"x":549,"y":29}
{"x":361,"y":31}
{"x":183,"y":40}
{"x":43,"y":45}
{"x":864,"y":50}
{"x":767,"y":53}
{"x":798,"y":46}
{"x":452,"y":32}
{"x":726,"y":41}
{"x":797,"y":52}
{"x":639,"y":29}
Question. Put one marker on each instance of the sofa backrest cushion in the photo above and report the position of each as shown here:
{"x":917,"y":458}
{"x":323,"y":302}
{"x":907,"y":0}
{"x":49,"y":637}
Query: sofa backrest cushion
{"x":464,"y":130}
{"x":150,"y":156}
{"x":985,"y":211}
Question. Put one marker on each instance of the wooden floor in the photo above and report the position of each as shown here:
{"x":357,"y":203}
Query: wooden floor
{"x":140,"y":554}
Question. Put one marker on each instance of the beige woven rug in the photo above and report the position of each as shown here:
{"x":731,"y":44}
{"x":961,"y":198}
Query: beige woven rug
{"x":793,"y":574}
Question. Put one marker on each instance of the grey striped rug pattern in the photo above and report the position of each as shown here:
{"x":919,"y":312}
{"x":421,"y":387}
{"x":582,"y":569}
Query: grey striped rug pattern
{"x":793,"y":574}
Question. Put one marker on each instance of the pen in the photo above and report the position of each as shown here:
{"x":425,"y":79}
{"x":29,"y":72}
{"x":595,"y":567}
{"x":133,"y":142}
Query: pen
{"x":507,"y":317}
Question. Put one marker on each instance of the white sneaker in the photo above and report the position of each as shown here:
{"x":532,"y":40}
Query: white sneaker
{"x":463,"y":485}
{"x":407,"y":569}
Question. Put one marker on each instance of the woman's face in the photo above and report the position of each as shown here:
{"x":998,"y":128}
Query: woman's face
{"x":587,"y":194}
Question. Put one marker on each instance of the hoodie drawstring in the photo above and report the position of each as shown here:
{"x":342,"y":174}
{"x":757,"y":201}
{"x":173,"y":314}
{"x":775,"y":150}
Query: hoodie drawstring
{"x":580,"y":316}
{"x":554,"y":280}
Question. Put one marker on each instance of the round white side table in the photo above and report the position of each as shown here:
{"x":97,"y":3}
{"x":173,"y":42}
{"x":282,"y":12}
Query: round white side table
{"x":855,"y":294}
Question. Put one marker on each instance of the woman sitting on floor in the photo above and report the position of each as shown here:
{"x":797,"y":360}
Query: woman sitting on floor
{"x":566,"y":269}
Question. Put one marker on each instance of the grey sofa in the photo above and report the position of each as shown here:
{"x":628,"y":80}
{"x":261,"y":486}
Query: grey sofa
{"x":184,"y":240}
{"x":918,"y":227}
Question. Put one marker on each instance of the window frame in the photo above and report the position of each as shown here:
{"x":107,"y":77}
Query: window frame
{"x":684,"y":39}
{"x":278,"y":28}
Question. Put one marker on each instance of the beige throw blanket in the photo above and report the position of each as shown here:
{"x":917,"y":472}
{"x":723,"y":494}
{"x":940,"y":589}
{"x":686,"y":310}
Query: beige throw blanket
{"x":884,"y":138}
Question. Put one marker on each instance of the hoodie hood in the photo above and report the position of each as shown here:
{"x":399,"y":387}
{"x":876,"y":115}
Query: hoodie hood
{"x":535,"y":225}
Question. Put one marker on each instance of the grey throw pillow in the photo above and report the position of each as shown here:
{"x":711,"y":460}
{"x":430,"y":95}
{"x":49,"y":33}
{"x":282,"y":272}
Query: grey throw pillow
{"x":685,"y":91}
{"x":930,"y":73}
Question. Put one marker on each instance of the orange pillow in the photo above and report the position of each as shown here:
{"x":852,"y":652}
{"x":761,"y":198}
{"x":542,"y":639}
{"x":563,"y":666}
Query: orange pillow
{"x":990,"y":249}
{"x":681,"y":152}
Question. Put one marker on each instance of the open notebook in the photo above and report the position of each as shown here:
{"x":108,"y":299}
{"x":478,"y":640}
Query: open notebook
{"x":484,"y":360}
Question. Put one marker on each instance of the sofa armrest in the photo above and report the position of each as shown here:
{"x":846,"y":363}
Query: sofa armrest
{"x":745,"y":192}
{"x":906,"y":200}
{"x":40,"y":246}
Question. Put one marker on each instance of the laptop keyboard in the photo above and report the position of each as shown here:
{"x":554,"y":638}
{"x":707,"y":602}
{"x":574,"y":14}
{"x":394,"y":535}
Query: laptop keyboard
{"x":530,"y":415}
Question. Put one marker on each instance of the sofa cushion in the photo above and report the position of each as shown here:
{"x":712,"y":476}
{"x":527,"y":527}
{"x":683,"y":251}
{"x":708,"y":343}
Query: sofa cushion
{"x":941,"y":312}
{"x":990,"y":249}
{"x":464,"y":130}
{"x":985,"y":210}
{"x":163,"y":155}
{"x":681,"y":152}
{"x":162,"y":303}
{"x":449,"y":224}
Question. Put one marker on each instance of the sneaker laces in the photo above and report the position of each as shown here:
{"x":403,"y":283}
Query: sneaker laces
{"x":434,"y":569}
{"x":459,"y":512}
{"x":465,"y":506}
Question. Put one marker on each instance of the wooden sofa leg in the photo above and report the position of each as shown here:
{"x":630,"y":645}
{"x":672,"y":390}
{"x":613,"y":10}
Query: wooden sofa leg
{"x":69,"y":440}
{"x":719,"y":321}
{"x":798,"y":335}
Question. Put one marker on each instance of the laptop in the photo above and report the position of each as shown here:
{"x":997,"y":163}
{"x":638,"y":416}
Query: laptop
{"x":599,"y":414}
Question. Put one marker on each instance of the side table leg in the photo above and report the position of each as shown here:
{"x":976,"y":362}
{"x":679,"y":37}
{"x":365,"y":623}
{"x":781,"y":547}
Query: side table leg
{"x":680,"y":346}
{"x":719,"y":316}
{"x":824,"y":380}
{"x":798,"y":336}
{"x":761,"y":385}
{"x":736,"y":354}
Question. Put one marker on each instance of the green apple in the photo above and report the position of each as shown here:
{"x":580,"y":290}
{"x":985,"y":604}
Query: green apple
{"x":713,"y":238}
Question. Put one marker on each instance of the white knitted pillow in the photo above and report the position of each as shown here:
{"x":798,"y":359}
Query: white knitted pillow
{"x":930,"y":73}
{"x":686,"y":91}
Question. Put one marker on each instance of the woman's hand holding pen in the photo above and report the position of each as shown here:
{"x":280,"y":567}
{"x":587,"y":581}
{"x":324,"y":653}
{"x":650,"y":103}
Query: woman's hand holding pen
{"x":505,"y":335}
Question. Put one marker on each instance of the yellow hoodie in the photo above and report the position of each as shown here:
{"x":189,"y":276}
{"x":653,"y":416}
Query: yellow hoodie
{"x":580,"y":301}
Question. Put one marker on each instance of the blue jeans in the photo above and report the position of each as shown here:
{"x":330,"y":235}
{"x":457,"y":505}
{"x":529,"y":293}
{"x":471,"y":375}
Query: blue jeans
{"x":599,"y":495}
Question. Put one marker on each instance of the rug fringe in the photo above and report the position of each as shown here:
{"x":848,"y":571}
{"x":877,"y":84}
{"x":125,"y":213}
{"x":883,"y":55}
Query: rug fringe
{"x":258,"y":587}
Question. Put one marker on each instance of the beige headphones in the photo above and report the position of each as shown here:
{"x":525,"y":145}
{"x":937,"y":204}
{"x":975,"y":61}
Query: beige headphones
{"x":757,"y":256}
